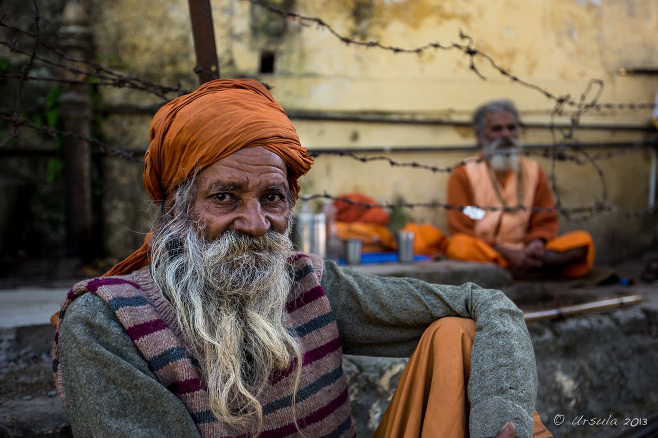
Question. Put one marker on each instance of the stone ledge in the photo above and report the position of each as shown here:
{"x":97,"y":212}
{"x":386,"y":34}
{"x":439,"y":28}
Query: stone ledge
{"x":451,"y":272}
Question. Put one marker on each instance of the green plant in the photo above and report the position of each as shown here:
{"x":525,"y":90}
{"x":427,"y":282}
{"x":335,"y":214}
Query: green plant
{"x":54,"y":167}
{"x":52,"y":106}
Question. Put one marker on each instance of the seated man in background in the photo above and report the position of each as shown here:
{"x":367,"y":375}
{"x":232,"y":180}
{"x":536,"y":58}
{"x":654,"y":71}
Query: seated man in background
{"x":215,"y":327}
{"x":525,"y":240}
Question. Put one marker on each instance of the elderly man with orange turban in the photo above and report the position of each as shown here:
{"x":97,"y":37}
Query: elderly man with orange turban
{"x":217,"y":328}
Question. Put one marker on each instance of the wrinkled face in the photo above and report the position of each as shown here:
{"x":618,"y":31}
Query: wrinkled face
{"x":246,"y":191}
{"x":499,"y":125}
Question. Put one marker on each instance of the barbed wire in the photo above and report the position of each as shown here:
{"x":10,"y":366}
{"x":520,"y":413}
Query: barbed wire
{"x":549,"y":152}
{"x":96,"y":71}
{"x":586,"y":211}
{"x":96,"y":74}
{"x":467,"y":49}
{"x":93,"y":73}
{"x":55,"y":133}
{"x":582,"y":105}
{"x":24,"y":71}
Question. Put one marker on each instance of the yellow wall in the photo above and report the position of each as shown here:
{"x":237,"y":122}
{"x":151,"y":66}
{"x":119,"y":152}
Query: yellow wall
{"x":555,"y":45}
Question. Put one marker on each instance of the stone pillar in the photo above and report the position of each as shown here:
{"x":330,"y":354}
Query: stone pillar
{"x":76,"y":114}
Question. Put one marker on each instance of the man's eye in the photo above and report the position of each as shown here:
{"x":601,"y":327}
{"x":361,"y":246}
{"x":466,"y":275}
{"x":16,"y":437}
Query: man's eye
{"x":274,"y":197}
{"x":222,"y":197}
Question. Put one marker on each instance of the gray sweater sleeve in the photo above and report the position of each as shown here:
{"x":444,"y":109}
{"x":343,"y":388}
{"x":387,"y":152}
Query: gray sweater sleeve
{"x":110,"y":390}
{"x":385,"y":316}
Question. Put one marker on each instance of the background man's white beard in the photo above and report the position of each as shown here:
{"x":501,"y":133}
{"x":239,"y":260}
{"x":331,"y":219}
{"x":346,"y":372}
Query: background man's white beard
{"x":503,"y":162}
{"x":503,"y":154}
{"x":230,"y":297}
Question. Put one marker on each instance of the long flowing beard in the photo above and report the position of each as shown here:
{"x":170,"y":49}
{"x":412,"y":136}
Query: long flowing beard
{"x":503,"y":154}
{"x":230,"y":296}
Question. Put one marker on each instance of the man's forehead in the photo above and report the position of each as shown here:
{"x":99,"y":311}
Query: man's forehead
{"x":257,"y":156}
{"x":500,"y":118}
{"x":244,"y":165}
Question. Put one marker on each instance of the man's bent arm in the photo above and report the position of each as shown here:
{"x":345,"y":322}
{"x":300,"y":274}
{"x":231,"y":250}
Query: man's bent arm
{"x":385,"y":316}
{"x":109,"y":388}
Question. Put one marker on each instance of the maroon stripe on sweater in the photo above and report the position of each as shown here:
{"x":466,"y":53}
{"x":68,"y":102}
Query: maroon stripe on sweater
{"x":321,"y":351}
{"x":296,"y":257}
{"x":308,"y":358}
{"x":93,"y":285}
{"x":140,"y":330}
{"x":316,"y":416}
{"x":305,"y":298}
{"x":185,"y":386}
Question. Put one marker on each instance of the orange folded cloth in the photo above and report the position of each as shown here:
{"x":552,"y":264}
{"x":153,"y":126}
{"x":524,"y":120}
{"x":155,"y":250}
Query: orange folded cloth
{"x":375,"y":238}
{"x":348,"y":211}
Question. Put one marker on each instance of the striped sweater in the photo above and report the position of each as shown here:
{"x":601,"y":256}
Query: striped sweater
{"x":321,"y":404}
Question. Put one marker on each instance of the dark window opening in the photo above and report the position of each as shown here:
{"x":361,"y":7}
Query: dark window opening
{"x":267,"y":62}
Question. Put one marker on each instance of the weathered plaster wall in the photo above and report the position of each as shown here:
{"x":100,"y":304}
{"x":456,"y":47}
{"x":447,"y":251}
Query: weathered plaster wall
{"x":557,"y":45}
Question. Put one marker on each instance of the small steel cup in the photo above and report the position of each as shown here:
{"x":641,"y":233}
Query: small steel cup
{"x":405,"y":246}
{"x":310,"y":233}
{"x":353,"y":251}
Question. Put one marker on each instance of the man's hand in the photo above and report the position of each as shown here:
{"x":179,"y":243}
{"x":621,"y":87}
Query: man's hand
{"x":522,"y":259}
{"x":508,"y":431}
{"x":535,"y":250}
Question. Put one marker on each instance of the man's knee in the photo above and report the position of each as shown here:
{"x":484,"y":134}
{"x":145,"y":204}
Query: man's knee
{"x":447,"y":344}
{"x":451,"y":327}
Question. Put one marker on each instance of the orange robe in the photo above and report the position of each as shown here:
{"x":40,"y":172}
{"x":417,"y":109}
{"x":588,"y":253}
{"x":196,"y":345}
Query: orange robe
{"x":431,"y":399}
{"x":472,"y":185}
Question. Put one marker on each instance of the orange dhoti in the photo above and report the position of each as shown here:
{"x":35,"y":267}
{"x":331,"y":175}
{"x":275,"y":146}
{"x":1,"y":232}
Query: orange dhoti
{"x":431,"y":399}
{"x":464,"y":247}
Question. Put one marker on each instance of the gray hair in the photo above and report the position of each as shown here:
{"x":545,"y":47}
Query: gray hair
{"x":495,"y":106}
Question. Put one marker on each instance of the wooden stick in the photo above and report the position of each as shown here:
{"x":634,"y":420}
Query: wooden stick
{"x":610,"y":303}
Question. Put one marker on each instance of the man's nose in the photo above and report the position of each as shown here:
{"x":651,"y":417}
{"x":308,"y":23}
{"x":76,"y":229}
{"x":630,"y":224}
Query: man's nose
{"x":251,"y":219}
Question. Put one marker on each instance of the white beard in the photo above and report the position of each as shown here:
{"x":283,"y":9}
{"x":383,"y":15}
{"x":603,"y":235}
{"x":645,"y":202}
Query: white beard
{"x":229,"y":296}
{"x":503,"y":154}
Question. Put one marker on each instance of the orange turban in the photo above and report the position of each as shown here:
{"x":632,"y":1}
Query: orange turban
{"x":197,"y":129}
{"x":219,"y":118}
